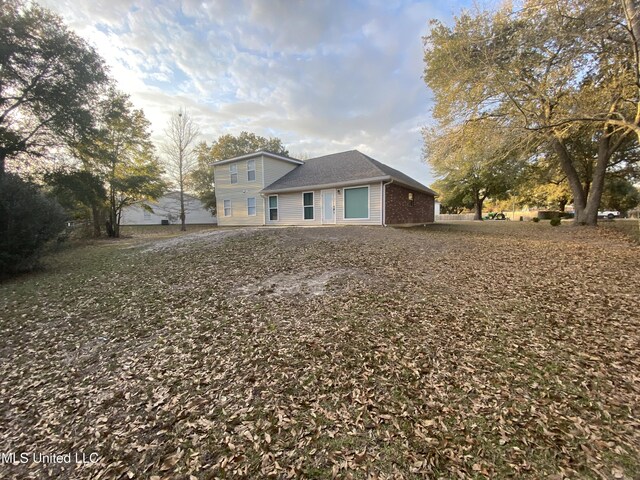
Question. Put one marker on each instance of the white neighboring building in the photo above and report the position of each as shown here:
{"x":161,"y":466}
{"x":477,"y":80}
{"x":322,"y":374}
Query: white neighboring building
{"x":167,"y":208}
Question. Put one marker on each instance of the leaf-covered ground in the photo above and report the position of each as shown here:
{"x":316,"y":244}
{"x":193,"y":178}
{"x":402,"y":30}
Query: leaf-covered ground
{"x":494,"y":350}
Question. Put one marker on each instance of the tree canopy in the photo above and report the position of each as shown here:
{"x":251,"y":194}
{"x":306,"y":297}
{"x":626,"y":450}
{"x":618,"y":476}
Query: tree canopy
{"x":49,"y":80}
{"x":474,"y":164}
{"x":555,"y":74}
{"x":122,"y":152}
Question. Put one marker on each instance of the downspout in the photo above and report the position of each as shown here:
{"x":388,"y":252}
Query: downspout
{"x":265,"y":205}
{"x":384,"y":202}
{"x":264,"y":209}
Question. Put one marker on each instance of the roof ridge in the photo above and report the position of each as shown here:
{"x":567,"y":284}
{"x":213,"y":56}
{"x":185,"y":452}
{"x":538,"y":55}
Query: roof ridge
{"x":334,"y":154}
{"x":373,"y":161}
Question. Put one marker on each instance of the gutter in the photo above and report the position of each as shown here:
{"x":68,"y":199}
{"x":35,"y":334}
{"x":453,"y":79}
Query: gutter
{"x":265,"y":208}
{"x":384,"y":202}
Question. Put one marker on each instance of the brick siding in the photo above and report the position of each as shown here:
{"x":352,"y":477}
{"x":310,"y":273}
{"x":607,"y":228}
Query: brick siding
{"x":399,"y":210}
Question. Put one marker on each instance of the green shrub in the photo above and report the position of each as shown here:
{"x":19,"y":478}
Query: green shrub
{"x":555,"y":221}
{"x":28,"y":220}
{"x":535,"y":219}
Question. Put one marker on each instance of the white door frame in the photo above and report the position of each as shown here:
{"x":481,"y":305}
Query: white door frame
{"x":333,"y":196}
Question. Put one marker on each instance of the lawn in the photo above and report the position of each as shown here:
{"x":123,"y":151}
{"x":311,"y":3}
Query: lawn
{"x":492,"y":350}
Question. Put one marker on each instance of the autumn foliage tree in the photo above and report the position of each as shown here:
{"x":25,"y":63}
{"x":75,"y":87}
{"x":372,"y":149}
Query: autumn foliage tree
{"x":122,"y":152}
{"x":473,"y":164}
{"x":550,"y":71}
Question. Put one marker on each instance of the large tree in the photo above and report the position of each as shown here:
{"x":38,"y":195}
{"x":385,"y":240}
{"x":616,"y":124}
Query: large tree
{"x":49,"y":80}
{"x":473,"y":164}
{"x":553,"y":71}
{"x":181,"y":158}
{"x":227,"y":146}
{"x":122,"y":152}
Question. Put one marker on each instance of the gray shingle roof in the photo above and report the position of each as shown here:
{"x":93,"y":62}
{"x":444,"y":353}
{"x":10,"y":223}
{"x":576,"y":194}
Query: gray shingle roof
{"x":257,"y":154}
{"x":340,"y":168}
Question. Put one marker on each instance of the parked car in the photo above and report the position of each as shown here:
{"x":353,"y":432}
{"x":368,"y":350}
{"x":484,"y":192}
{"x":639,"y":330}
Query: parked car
{"x":609,"y":214}
{"x":495,"y":216}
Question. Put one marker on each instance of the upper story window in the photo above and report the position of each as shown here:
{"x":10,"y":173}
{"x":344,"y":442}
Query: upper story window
{"x":227,"y":208}
{"x":233,"y":172}
{"x":251,"y":170}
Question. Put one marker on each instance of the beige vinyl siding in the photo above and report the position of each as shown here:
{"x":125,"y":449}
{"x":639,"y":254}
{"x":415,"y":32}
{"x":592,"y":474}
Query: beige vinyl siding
{"x":268,"y":170}
{"x":375,"y":207}
{"x":273,"y":169}
{"x":290,"y":210}
{"x":238,"y":194}
{"x":239,"y":210}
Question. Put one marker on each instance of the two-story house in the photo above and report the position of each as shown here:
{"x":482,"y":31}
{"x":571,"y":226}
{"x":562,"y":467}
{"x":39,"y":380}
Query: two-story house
{"x":347,"y":188}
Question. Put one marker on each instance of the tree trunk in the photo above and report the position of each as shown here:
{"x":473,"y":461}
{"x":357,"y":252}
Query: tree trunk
{"x":562,"y":204}
{"x":633,"y":16}
{"x":183,"y":216}
{"x":95,"y":215}
{"x":3,"y":156}
{"x":478,"y":207}
{"x":116,"y":227}
{"x":579,"y":197}
{"x":597,"y":182}
{"x":112,"y":230}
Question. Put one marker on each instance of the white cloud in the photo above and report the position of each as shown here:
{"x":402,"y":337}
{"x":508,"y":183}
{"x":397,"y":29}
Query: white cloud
{"x":323,"y":76}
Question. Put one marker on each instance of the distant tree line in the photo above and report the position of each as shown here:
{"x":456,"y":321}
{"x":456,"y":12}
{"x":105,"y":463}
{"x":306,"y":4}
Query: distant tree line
{"x":539,"y":101}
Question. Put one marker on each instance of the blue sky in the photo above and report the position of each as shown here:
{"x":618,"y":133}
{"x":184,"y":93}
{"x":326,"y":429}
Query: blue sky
{"x":324,"y":76}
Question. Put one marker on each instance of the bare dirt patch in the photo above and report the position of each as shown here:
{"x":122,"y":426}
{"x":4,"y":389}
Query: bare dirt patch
{"x":208,"y":236}
{"x":306,"y":283}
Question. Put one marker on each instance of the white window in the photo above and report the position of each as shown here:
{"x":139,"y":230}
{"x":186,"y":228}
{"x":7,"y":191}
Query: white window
{"x":146,"y":215}
{"x":307,"y":205}
{"x":251,"y":206}
{"x":227,"y":208}
{"x":233,"y":172}
{"x":273,"y":207}
{"x":251,"y":170}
